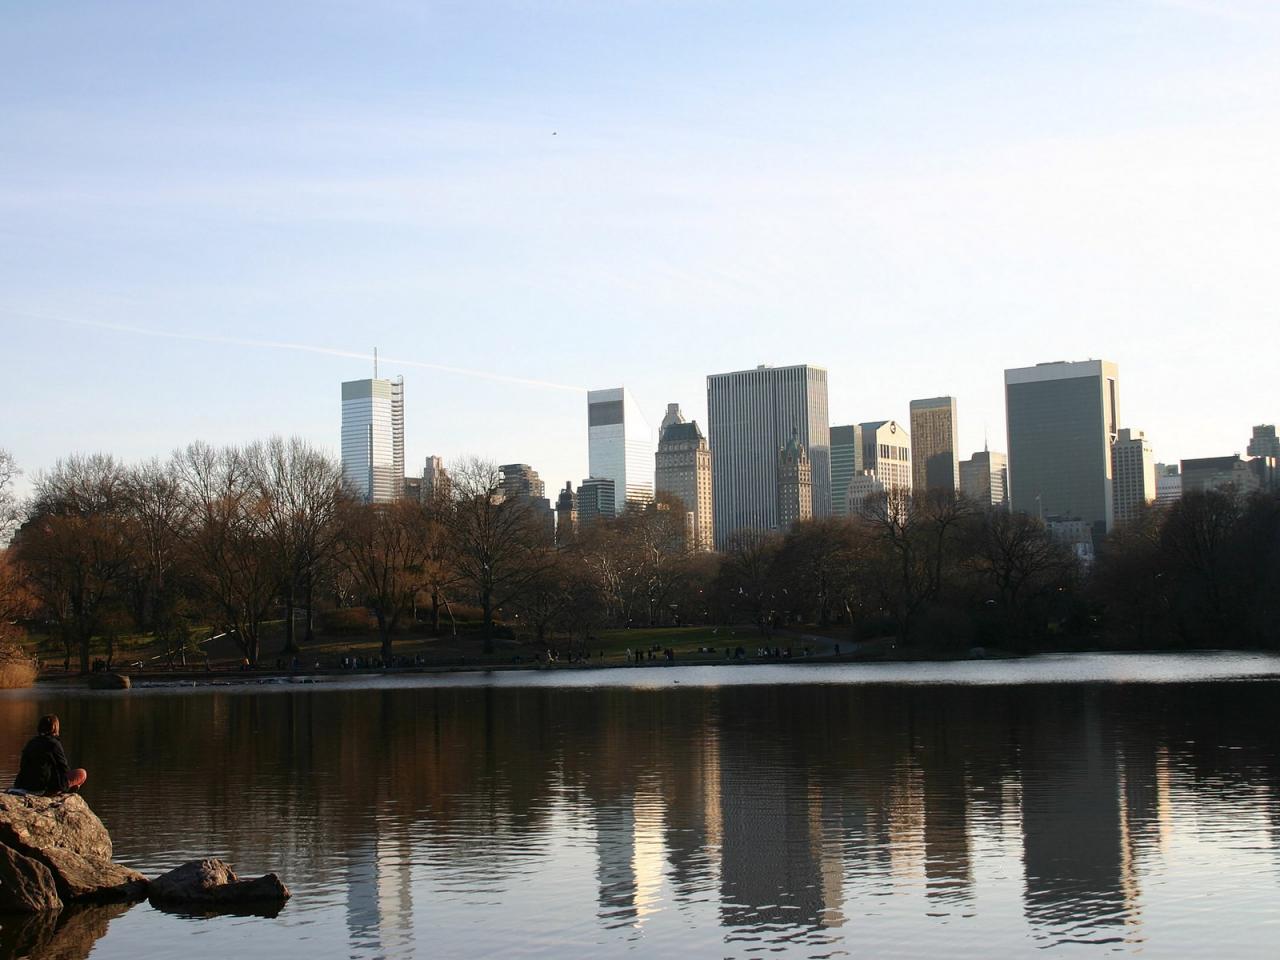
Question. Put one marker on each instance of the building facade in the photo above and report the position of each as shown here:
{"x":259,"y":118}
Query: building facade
{"x":750,"y":415}
{"x":886,"y":452}
{"x":1168,"y":484}
{"x":1264,"y":442}
{"x":984,"y":479}
{"x":795,"y":484}
{"x":1061,"y":420}
{"x":862,"y":486}
{"x":597,"y":498}
{"x":373,"y":438}
{"x":934,"y":464}
{"x":846,"y":460}
{"x":682,"y":468}
{"x":435,"y":479}
{"x":566,"y":515}
{"x":1222,"y":474}
{"x":1133,"y":475}
{"x":520,"y":480}
{"x":620,"y":445}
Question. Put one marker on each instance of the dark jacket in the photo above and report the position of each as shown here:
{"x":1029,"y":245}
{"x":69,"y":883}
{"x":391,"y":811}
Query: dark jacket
{"x":44,"y":766}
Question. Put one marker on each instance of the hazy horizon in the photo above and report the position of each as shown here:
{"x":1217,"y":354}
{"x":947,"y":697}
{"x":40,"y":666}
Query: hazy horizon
{"x":209,"y":217}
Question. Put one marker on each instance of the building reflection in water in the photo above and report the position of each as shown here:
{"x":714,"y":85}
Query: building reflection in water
{"x":776,"y":813}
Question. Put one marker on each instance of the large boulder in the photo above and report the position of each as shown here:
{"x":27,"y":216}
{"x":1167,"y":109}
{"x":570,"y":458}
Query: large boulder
{"x":64,"y":835}
{"x":34,"y":822}
{"x":26,"y":885}
{"x":211,"y":882}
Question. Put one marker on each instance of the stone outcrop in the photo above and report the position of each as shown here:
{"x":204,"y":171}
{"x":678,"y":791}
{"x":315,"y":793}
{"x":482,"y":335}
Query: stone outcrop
{"x":26,"y":885}
{"x":65,"y":837}
{"x":212,"y":883}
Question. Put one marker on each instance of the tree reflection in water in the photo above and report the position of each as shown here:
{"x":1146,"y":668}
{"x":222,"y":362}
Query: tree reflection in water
{"x":818,"y":817}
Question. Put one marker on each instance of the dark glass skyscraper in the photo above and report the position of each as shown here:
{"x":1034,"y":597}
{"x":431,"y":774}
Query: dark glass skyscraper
{"x":1062,"y":419}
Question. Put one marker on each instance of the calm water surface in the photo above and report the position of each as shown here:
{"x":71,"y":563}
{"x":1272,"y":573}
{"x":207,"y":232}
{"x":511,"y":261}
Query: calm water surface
{"x":1083,"y":806}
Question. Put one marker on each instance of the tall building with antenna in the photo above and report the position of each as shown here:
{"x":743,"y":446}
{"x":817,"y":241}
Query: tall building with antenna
{"x":373,"y":437}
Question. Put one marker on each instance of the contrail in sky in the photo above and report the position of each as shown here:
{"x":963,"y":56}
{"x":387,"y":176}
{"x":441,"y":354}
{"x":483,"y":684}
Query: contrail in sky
{"x":309,"y":348}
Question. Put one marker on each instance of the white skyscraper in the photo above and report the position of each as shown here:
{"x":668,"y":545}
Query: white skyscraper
{"x":1133,"y":474}
{"x":373,"y":438}
{"x":620,"y":445}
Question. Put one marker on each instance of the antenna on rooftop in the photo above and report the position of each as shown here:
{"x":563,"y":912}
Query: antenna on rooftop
{"x":375,"y":363}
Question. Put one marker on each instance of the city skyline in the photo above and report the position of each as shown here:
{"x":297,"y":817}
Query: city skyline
{"x":481,"y":209}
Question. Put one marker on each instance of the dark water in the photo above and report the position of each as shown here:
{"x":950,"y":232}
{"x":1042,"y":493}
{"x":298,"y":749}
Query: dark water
{"x":863,"y":811}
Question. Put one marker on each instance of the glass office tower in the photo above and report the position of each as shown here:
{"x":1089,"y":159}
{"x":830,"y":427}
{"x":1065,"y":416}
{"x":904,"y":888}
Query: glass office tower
{"x":750,"y":417}
{"x":373,"y":438}
{"x":1062,"y":419}
{"x":620,"y":445}
{"x":846,"y":461}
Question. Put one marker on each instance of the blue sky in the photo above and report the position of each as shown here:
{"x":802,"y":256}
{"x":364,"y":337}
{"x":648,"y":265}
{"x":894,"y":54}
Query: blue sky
{"x":913,"y":195}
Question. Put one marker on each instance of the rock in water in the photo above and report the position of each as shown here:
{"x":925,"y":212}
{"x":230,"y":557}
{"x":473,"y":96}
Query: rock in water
{"x":210,"y":882}
{"x":62,"y":821}
{"x":109,"y":681}
{"x":67,"y":838}
{"x":26,"y":885}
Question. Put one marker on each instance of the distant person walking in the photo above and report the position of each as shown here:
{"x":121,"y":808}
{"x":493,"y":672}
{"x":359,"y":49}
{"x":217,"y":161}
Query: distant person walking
{"x":44,"y":766}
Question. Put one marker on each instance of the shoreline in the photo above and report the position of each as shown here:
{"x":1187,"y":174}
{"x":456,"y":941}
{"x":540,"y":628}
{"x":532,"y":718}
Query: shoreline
{"x":234,"y":676}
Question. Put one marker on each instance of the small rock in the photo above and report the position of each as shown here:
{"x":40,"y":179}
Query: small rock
{"x":212,"y":882}
{"x":26,"y":885}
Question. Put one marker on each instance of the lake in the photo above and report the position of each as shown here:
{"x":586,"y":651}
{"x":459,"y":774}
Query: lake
{"x":1085,"y":805}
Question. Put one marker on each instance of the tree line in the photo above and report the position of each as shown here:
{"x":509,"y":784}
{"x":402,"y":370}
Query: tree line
{"x":231,"y":539}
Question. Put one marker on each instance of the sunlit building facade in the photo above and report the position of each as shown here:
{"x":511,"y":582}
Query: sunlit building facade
{"x":620,"y":445}
{"x":750,"y":416}
{"x":373,"y":438}
{"x":683,"y":469}
{"x":886,"y":452}
{"x":1133,"y":474}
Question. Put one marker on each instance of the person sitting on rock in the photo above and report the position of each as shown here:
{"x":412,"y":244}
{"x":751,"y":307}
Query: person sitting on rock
{"x":44,"y":766}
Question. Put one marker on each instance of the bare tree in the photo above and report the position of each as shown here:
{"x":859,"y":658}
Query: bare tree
{"x":77,"y":546}
{"x":301,"y":491}
{"x":225,"y":535}
{"x":384,"y":549}
{"x":499,"y":545}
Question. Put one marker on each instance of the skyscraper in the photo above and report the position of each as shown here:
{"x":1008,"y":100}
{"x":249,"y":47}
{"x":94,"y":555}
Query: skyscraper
{"x":934,"y":464}
{"x":683,"y":469}
{"x":795,"y":484}
{"x":1062,"y":419}
{"x":520,"y":480}
{"x":846,"y":461}
{"x":435,"y":479}
{"x":1264,"y":442}
{"x":620,"y":445}
{"x":596,"y":499}
{"x":566,"y":515}
{"x":886,"y":452}
{"x":984,"y":479}
{"x":1133,"y":474}
{"x":750,"y":415}
{"x":373,"y":438}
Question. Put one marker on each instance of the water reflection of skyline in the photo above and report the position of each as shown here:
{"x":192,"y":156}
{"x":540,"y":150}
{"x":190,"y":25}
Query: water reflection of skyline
{"x":800,"y":816}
